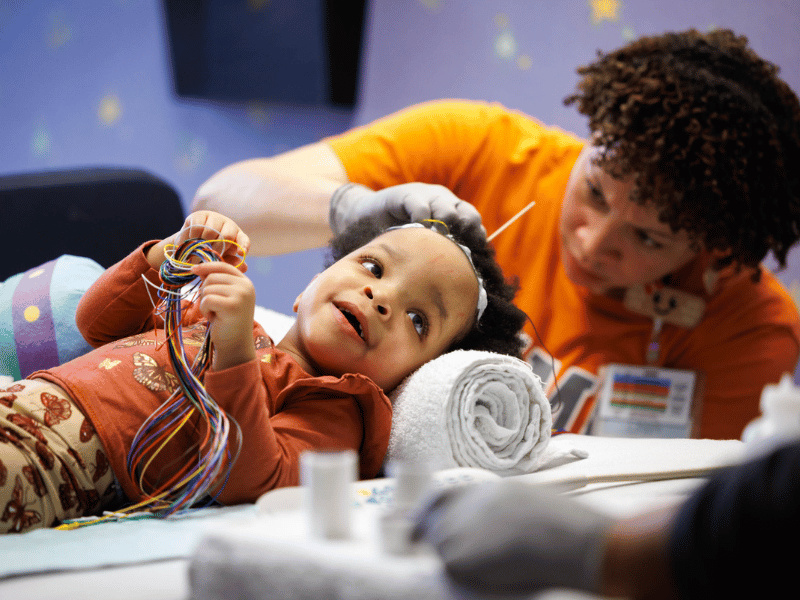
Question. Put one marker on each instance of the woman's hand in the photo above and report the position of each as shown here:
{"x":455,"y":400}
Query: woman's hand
{"x":512,"y":537}
{"x":404,"y":203}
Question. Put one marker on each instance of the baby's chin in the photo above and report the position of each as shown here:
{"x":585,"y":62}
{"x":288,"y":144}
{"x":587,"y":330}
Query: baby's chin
{"x":598,"y":288}
{"x":388,"y":383}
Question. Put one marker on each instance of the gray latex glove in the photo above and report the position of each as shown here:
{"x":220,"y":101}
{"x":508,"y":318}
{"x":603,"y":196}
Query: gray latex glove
{"x":397,"y":205}
{"x":512,"y":537}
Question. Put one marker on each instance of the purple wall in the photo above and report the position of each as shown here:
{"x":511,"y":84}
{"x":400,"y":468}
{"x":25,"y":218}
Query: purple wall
{"x":89,"y":83}
{"x":524,"y":53}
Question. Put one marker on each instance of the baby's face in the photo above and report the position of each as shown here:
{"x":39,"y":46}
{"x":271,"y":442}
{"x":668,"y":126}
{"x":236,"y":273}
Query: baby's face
{"x":389,"y":307}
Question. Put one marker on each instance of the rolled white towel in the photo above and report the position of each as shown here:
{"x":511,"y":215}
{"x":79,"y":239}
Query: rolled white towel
{"x":469,"y":408}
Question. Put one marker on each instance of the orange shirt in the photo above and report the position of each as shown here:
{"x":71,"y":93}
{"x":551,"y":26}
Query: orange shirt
{"x":500,"y":160}
{"x":282,"y":410}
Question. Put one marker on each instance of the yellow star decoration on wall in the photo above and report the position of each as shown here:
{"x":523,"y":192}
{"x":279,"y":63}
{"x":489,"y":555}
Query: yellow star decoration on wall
{"x":605,"y":10}
{"x":505,"y":44}
{"x":109,"y":110}
{"x":432,"y":5}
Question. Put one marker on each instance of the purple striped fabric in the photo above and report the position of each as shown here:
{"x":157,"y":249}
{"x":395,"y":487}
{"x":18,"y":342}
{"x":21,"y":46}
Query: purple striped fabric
{"x":32,"y":317}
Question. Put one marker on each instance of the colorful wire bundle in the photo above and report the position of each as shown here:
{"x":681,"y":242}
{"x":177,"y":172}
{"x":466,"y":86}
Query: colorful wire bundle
{"x":209,"y":461}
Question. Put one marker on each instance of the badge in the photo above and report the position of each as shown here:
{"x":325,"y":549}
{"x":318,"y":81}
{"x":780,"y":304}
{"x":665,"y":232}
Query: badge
{"x":637,"y":401}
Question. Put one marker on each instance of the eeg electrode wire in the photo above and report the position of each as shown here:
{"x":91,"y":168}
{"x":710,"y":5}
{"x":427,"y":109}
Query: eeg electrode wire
{"x":208,"y":462}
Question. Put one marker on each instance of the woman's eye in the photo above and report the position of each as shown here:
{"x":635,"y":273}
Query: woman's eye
{"x":373,"y":267}
{"x":419,"y":323}
{"x":595,"y":195}
{"x":646,"y":240}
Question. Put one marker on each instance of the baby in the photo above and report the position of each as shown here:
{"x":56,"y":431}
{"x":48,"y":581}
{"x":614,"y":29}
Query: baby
{"x":391,"y":301}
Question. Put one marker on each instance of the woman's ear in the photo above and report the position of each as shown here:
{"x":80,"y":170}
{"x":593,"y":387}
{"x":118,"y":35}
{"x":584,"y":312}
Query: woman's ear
{"x":711,"y":274}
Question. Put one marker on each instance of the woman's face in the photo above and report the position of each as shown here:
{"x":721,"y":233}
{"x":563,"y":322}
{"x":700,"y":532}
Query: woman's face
{"x":609,"y":242}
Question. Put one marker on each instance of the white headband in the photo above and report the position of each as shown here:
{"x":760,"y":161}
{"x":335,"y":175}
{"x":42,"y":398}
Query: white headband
{"x":483,"y":299}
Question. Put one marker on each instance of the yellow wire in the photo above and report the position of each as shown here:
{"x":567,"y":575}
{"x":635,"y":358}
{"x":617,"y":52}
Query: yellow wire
{"x":161,"y":447}
{"x":122,"y":513}
{"x":188,"y":265}
{"x":438,"y":222}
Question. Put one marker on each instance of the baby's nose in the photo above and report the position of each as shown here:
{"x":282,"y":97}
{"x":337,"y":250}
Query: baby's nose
{"x":380,"y":304}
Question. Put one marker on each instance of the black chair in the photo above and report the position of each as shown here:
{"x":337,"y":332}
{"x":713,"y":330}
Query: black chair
{"x":101,"y":213}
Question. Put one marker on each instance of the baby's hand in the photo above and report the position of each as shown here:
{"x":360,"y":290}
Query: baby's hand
{"x":227,"y":299}
{"x":207,"y":225}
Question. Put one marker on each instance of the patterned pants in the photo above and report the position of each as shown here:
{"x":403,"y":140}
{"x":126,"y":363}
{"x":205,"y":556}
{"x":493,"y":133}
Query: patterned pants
{"x":52,"y":464}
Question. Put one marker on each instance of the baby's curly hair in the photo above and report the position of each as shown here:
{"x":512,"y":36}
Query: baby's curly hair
{"x":500,"y":326}
{"x":710,"y":134}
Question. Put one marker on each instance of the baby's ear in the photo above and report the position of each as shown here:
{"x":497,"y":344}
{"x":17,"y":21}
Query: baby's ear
{"x":300,"y":295}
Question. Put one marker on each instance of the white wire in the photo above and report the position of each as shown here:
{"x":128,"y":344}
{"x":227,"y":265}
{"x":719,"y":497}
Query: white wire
{"x":510,"y":221}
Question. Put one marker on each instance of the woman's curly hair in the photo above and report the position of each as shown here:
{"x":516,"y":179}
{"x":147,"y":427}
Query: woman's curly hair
{"x":500,"y":326}
{"x":710,"y":134}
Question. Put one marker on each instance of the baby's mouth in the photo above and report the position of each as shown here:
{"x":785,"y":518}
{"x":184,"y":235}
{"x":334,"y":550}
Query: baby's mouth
{"x":353,"y":321}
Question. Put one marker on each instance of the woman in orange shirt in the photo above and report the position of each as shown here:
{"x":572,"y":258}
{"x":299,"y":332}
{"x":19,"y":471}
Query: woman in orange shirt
{"x":645,"y":244}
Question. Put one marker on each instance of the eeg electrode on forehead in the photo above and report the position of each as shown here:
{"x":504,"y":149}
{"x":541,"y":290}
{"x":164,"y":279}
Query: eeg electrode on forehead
{"x":441,"y":228}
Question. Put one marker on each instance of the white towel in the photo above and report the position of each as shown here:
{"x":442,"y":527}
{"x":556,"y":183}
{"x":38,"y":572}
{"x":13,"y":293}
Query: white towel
{"x":469,"y":408}
{"x":274,"y":557}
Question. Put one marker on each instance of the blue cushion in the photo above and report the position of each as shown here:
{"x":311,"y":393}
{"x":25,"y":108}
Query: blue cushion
{"x":37,"y":315}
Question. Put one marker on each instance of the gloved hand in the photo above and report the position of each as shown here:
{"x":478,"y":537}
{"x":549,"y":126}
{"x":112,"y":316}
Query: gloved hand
{"x":511,"y":537}
{"x":397,"y":205}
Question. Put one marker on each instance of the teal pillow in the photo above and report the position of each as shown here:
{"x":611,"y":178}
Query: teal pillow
{"x":37,"y":315}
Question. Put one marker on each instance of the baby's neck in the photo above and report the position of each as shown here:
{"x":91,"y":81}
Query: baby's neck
{"x":290,"y":347}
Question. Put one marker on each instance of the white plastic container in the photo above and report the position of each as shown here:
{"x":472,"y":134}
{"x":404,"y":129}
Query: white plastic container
{"x":779,"y":422}
{"x":412,"y":480}
{"x":327,"y":478}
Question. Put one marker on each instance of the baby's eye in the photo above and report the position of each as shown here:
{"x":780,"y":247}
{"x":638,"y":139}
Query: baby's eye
{"x":419,"y":322}
{"x":373,"y":267}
